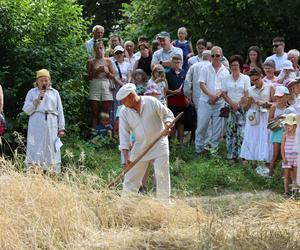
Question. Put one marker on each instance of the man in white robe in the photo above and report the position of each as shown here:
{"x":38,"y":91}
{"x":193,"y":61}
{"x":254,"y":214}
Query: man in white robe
{"x":146,"y":117}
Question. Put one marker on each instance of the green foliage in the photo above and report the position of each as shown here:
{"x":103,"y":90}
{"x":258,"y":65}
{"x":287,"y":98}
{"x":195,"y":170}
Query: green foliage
{"x":234,"y":24}
{"x":42,"y":34}
{"x":105,"y":13}
{"x":191,"y":175}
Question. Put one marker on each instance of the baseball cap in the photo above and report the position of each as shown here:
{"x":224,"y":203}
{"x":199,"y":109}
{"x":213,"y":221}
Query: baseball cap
{"x":281,"y":91}
{"x":163,"y":35}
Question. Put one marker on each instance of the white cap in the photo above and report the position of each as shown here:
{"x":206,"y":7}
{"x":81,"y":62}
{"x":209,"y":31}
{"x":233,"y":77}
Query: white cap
{"x":287,"y":65}
{"x":118,"y":48}
{"x":125,"y":90}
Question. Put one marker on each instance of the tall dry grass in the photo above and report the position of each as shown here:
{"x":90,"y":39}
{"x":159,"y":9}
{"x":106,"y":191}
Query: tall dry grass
{"x":77,"y":212}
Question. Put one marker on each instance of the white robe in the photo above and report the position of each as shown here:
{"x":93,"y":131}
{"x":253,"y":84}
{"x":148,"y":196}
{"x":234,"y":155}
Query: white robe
{"x":43,"y":129}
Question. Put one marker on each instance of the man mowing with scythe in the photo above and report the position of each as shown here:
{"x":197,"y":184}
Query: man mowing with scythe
{"x":148,"y":119}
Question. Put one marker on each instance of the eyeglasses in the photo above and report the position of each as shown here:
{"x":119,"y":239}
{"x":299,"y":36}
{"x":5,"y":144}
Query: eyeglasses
{"x":118,"y":53}
{"x":213,"y":56}
{"x":277,"y":45}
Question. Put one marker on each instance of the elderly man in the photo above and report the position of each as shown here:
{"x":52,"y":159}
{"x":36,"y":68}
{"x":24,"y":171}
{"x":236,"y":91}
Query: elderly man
{"x":279,"y":55}
{"x":98,"y":32}
{"x":146,"y":118}
{"x":293,"y":56}
{"x":210,"y":101}
{"x":191,"y":86}
{"x":131,"y":57}
{"x":164,"y":55}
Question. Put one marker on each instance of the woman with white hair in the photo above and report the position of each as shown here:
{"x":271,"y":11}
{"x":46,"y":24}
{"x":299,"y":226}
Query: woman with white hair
{"x":293,"y":56}
{"x":46,"y":124}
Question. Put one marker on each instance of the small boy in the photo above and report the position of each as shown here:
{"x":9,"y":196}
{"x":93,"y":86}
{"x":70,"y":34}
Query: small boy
{"x":104,"y":127}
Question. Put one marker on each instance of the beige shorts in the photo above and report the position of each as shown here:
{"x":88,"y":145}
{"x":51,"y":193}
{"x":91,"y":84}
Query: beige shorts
{"x":100,"y":90}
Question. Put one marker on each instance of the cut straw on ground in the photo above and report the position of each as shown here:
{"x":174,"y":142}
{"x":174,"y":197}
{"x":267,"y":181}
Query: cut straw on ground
{"x":77,"y":212}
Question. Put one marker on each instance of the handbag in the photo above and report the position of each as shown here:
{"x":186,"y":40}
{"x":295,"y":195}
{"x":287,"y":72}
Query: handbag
{"x":112,"y":85}
{"x":276,"y":123}
{"x":224,"y":112}
{"x":253,"y":118}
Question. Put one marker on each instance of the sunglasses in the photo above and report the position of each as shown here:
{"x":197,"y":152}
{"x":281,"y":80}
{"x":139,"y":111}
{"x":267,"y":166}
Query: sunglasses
{"x":254,"y":80}
{"x":118,"y":53}
{"x":217,"y":56}
{"x":277,"y":45}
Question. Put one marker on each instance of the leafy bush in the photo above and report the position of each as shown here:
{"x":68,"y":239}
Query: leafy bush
{"x":42,"y":34}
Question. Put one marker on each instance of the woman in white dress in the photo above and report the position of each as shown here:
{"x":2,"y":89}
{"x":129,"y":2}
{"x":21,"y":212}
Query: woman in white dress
{"x":257,"y":144}
{"x":46,"y":124}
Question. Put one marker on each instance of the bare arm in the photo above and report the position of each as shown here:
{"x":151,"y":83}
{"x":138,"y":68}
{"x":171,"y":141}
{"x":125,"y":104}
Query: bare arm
{"x":282,"y":148}
{"x":272,"y":113}
{"x":111,"y":71}
{"x":191,"y":53}
{"x":1,"y":99}
{"x":90,"y":69}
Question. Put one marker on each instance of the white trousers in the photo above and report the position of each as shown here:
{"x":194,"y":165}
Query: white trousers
{"x":133,"y":178}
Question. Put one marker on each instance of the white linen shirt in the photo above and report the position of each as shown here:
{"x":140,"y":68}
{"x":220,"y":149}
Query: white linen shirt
{"x":191,"y":85}
{"x":146,"y":126}
{"x":212,"y":79}
{"x":235,"y":89}
{"x":51,"y":104}
{"x":162,"y":55}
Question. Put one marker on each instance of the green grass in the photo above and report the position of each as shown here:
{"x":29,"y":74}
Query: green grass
{"x":191,"y":175}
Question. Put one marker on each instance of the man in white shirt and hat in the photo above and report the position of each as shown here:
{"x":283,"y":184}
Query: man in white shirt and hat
{"x":146,"y":118}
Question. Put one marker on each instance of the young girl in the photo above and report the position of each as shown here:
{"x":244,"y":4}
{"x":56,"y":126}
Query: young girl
{"x":140,"y":80}
{"x":254,"y":60}
{"x":185,"y":45}
{"x":158,"y":77}
{"x":276,"y":111}
{"x":289,"y":151}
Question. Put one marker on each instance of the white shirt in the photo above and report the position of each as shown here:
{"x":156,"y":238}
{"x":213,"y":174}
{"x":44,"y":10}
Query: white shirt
{"x":51,"y":104}
{"x":235,"y":89}
{"x":133,"y":59}
{"x":125,"y":67}
{"x":191,"y":85}
{"x":146,"y":126}
{"x":162,"y":55}
{"x":279,"y":60}
{"x":263,"y":94}
{"x":90,"y":48}
{"x":212,"y":79}
{"x":194,"y":59}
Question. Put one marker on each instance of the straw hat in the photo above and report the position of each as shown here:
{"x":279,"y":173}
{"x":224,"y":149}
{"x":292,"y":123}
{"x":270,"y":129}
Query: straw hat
{"x":42,"y":72}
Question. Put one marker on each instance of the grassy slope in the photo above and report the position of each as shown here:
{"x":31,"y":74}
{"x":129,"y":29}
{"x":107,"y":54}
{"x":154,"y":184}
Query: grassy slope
{"x":190,"y":174}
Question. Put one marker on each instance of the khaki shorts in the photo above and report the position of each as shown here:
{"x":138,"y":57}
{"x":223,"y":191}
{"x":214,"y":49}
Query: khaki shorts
{"x":100,"y":90}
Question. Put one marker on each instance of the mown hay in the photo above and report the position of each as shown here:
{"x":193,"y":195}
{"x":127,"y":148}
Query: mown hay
{"x":37,"y":212}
